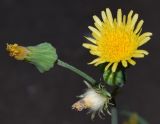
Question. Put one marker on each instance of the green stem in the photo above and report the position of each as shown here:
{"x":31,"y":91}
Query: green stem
{"x":114,"y":119}
{"x":77,"y":71}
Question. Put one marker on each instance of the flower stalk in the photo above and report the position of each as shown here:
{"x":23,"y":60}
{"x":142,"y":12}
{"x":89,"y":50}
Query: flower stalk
{"x":77,"y":71}
{"x":114,"y":119}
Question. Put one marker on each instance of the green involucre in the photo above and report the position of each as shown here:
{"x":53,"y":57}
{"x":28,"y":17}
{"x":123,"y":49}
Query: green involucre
{"x":43,"y":56}
{"x":114,"y":78}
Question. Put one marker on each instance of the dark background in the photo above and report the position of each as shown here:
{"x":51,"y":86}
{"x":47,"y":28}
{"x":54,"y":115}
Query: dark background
{"x":28,"y":97}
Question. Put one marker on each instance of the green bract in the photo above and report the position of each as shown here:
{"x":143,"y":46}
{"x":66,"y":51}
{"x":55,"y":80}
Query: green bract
{"x":114,"y":78}
{"x":43,"y":56}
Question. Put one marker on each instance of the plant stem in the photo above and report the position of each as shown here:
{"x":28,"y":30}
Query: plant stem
{"x":77,"y":71}
{"x":114,"y":93}
{"x":114,"y":119}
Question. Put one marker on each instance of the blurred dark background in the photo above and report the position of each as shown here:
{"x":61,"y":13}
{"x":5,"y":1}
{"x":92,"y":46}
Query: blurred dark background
{"x":28,"y":97}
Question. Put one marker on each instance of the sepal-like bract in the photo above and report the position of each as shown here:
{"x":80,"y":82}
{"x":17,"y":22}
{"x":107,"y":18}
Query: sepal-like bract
{"x":43,"y":56}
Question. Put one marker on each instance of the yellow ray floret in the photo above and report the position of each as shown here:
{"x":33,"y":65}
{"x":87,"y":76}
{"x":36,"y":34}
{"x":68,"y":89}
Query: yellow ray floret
{"x":117,"y":40}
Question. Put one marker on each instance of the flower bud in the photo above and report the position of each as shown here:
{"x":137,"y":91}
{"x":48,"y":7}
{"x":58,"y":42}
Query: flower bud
{"x":43,"y":55}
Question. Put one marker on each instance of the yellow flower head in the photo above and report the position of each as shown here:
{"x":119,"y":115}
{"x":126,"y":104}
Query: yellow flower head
{"x":16,"y":51}
{"x":117,"y":40}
